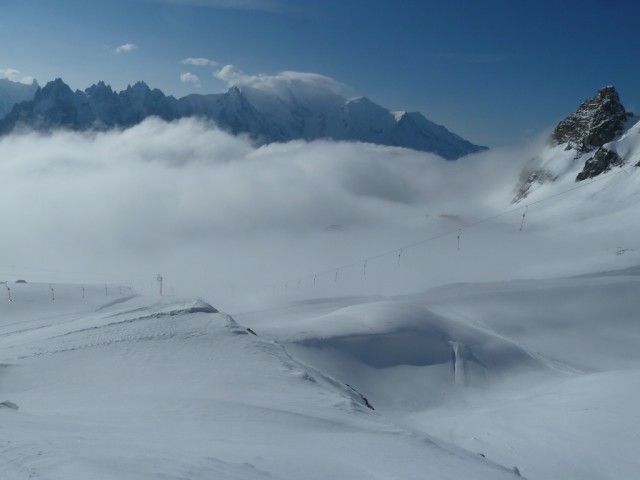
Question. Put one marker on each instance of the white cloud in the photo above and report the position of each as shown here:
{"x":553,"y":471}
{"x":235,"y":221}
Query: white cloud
{"x":126,"y":48}
{"x":15,"y":76}
{"x":206,"y":208}
{"x":188,"y":77}
{"x":287,"y":79}
{"x":200,"y":62}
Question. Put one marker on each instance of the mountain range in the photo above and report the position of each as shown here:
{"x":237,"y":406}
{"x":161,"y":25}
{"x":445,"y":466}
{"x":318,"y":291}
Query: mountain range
{"x":266,"y":116}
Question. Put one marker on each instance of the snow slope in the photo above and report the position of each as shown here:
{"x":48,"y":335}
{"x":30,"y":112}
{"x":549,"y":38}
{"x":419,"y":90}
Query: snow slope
{"x":542,"y":374}
{"x":131,"y":387}
{"x":536,"y":364}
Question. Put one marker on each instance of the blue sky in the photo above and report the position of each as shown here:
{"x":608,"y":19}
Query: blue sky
{"x":496,"y":72}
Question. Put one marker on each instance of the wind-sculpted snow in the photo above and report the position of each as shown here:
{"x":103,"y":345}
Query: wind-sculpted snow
{"x":134,"y":387}
{"x":540,"y":374}
{"x":393,"y":334}
{"x":435,"y":355}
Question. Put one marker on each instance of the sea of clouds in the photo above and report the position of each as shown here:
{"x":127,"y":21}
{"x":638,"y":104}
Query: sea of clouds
{"x":210,"y":210}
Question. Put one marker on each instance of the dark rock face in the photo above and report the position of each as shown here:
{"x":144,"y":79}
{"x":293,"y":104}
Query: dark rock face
{"x":601,"y":162}
{"x":596,"y":122}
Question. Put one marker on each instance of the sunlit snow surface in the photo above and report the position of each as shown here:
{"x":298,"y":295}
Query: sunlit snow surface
{"x":517,"y":349}
{"x":132,"y":387}
{"x":546,"y":377}
{"x":542,"y":375}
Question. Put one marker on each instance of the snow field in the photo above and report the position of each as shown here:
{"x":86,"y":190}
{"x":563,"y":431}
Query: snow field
{"x":147,"y":388}
{"x":542,"y":374}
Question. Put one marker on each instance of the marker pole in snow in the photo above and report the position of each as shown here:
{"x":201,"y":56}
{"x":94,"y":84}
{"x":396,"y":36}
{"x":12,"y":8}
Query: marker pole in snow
{"x":526,"y":209}
{"x":53,"y":296}
{"x":159,"y":279}
{"x":399,"y":257}
{"x":8,"y":291}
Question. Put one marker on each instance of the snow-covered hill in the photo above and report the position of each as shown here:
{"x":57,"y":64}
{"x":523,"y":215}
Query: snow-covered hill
{"x":299,"y":111}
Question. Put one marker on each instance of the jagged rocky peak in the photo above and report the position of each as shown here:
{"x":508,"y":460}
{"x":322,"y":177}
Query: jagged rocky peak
{"x":590,"y":138}
{"x":54,"y":88}
{"x":596,"y":122}
{"x":139,"y":86}
{"x":99,"y":89}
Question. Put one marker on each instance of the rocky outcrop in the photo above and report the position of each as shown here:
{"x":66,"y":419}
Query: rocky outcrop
{"x":601,"y":162}
{"x":583,"y":134}
{"x":596,"y":122}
